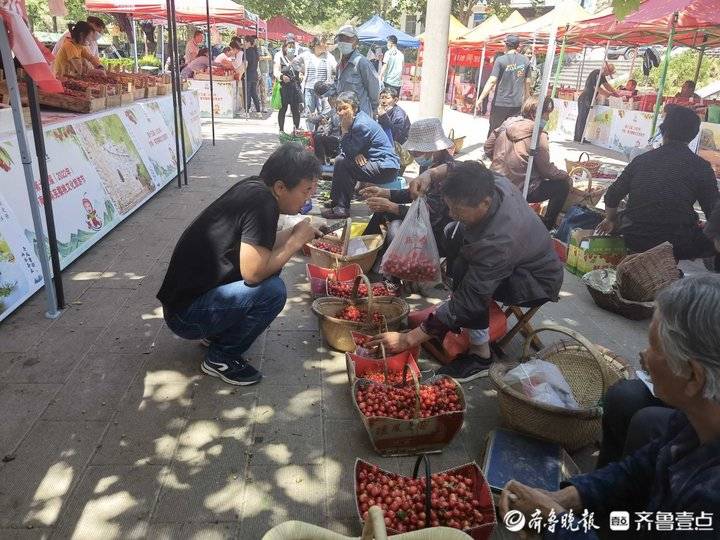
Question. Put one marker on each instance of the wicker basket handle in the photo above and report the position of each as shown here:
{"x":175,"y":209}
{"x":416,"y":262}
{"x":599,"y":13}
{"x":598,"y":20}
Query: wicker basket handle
{"x":416,"y":385}
{"x":451,"y":136}
{"x":587,"y":156}
{"x":597,"y":356}
{"x":384,"y":362}
{"x":428,"y":483}
{"x":354,"y":293}
{"x":580,"y":168}
{"x":374,"y":528}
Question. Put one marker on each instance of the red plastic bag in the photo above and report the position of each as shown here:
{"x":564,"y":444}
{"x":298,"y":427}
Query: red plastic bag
{"x":413,"y":254}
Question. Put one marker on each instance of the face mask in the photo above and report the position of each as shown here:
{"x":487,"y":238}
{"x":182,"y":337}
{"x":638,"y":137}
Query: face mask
{"x":290,"y":53}
{"x":424,"y":161}
{"x":345,"y":48}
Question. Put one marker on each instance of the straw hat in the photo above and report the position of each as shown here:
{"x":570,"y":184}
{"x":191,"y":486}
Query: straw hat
{"x":427,"y":135}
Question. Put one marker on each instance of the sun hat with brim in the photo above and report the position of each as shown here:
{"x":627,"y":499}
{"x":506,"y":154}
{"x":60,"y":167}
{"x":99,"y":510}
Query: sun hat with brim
{"x":427,"y":135}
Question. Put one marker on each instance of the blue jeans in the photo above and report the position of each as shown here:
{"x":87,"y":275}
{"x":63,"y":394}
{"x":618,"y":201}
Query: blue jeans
{"x":231,"y":316}
{"x":312,"y":105}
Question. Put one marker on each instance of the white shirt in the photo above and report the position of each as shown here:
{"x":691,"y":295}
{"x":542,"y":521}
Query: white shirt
{"x":317,"y":68}
{"x":92,"y":44}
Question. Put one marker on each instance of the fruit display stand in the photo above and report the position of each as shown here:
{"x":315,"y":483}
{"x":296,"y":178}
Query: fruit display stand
{"x":225,"y":98}
{"x":87,"y":100}
{"x":374,"y":529}
{"x":390,"y":311}
{"x":424,"y":426}
{"x":411,"y":506}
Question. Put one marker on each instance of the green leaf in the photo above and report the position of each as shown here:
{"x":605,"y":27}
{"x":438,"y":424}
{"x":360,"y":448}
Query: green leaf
{"x":623,"y":8}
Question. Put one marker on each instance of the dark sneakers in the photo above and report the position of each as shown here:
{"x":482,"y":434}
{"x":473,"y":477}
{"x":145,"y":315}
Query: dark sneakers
{"x":466,"y":368}
{"x":237,"y":372}
{"x":336,"y":212}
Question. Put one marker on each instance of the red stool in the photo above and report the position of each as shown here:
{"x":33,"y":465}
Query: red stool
{"x":455,"y":344}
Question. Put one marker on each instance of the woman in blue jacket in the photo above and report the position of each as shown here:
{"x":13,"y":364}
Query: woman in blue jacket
{"x":367,"y":155}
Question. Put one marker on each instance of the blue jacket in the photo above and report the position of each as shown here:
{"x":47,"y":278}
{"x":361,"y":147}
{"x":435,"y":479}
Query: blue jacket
{"x":366,"y":137}
{"x":397,"y":121}
{"x":672,"y":474}
{"x":358,"y":75}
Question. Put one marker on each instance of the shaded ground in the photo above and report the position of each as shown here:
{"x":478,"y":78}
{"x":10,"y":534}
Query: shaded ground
{"x":111,"y":431}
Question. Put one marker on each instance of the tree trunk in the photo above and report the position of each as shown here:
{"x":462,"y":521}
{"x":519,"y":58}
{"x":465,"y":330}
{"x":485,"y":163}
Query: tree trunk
{"x":149,"y":32}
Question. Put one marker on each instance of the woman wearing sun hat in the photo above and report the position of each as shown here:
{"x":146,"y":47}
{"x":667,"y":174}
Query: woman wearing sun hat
{"x":430,"y":147}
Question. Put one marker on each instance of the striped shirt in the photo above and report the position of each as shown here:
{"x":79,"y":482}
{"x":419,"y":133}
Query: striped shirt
{"x":317,"y":68}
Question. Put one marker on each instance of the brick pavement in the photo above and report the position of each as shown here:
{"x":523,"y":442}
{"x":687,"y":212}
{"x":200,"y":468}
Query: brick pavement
{"x":111,"y":431}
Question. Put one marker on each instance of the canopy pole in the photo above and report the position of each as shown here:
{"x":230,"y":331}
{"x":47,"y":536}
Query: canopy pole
{"x":178,"y":88}
{"x":39,"y":138}
{"x":212,"y":95}
{"x":40,"y":242}
{"x":479,"y":79}
{"x":162,"y":48}
{"x":547,"y":70}
{"x":135,"y":54}
{"x":560,"y":62}
{"x":582,"y":68}
{"x":174,"y":64}
{"x":700,"y":59}
{"x":663,"y":75}
{"x":447,"y":78}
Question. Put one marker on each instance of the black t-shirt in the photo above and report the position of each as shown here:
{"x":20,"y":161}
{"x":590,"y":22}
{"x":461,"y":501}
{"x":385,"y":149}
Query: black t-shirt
{"x":208,"y":252}
{"x":252,"y":57}
{"x":591,"y":82}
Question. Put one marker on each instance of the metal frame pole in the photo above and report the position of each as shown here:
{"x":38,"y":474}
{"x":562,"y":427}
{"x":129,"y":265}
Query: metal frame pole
{"x":479,"y":90}
{"x":559,"y":65}
{"x":210,"y":55}
{"x":179,"y":90}
{"x":663,"y":75}
{"x":135,"y":53}
{"x":26,"y":157}
{"x":547,"y":70}
{"x":174,"y":65}
{"x":582,"y":68}
{"x":700,"y":59}
{"x":162,"y":48}
{"x":39,"y":138}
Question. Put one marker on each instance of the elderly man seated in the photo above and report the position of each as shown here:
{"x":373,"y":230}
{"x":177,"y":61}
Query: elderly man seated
{"x":497,"y":249}
{"x":678,"y":471}
{"x":662,"y":187}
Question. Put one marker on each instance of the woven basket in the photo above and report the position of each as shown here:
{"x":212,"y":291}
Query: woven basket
{"x":458,"y":142}
{"x":590,"y":164}
{"x":581,"y":191}
{"x":589,"y":374}
{"x":601,"y":284}
{"x":374,"y":529}
{"x":640,"y":276}
{"x":320,"y":257}
{"x":338,"y":332}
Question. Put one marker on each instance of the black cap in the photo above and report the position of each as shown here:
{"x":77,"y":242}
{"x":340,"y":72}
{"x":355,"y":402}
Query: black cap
{"x":512,"y":41}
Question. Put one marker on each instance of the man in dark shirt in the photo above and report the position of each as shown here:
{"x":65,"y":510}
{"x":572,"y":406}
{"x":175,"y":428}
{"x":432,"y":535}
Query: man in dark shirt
{"x":252,"y":57}
{"x":510,"y":78}
{"x":662,"y":186}
{"x":222,"y":284}
{"x":585,"y":99}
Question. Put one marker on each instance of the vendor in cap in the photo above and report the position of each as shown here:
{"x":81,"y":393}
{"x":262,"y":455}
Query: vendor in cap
{"x":662,"y":187}
{"x":355,"y":73}
{"x":510,"y":78}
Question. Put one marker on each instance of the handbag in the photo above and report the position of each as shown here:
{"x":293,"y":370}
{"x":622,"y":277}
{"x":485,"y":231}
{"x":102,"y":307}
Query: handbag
{"x":577,"y":217}
{"x":276,"y":101}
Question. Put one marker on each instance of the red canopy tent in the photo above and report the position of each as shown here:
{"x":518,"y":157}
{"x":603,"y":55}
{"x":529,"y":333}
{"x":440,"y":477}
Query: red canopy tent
{"x":187,"y":11}
{"x":651,"y":25}
{"x":278,"y":27}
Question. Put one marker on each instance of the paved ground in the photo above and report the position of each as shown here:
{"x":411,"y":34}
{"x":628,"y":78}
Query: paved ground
{"x":111,"y":431}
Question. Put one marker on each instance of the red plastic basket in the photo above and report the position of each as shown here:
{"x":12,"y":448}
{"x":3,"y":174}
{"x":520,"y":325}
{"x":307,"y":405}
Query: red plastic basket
{"x":318,"y":275}
{"x":399,"y":437}
{"x":480,"y":488}
{"x":358,"y":366}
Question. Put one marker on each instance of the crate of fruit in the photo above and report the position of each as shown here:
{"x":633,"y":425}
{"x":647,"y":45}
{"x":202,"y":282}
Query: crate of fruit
{"x":341,"y":316}
{"x":459,"y":498}
{"x":388,"y":370}
{"x":319,"y":276}
{"x":410,"y":418}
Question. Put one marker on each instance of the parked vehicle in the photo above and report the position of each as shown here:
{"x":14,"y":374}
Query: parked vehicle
{"x":628,"y":53}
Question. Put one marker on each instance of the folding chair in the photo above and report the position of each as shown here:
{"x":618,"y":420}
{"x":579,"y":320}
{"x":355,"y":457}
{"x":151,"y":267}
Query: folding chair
{"x":523,"y":325}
